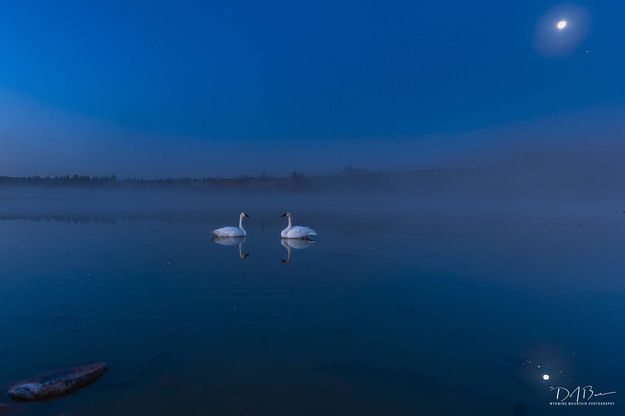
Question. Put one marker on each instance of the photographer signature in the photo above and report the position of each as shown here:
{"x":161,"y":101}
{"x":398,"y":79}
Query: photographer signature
{"x":579,"y":393}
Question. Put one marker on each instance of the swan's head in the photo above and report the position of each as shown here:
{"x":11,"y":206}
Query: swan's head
{"x":244,"y":214}
{"x":287,"y":214}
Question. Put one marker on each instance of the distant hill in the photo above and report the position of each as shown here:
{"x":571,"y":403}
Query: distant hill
{"x":351,"y":171}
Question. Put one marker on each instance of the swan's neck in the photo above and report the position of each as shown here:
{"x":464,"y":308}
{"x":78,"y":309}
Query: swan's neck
{"x":288,"y":227}
{"x":241,"y":223}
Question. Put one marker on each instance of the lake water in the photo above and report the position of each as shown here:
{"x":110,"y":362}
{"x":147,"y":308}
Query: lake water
{"x":401,"y":307}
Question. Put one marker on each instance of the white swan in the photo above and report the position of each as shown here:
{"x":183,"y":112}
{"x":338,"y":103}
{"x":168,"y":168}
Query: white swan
{"x":232,"y":231}
{"x":296,"y":231}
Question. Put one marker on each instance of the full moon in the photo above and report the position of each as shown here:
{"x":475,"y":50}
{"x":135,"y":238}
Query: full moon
{"x":546,"y":377}
{"x":561,"y":29}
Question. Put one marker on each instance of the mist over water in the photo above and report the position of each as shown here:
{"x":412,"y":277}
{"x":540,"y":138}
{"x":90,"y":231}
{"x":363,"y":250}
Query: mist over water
{"x":406,"y":299}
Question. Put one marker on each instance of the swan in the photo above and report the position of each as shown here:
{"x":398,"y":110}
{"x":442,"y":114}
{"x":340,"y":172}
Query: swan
{"x":232,"y":241}
{"x":295,"y":245}
{"x":296,"y":231}
{"x":232,"y":231}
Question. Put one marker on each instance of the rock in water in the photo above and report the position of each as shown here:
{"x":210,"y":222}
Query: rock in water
{"x":57,"y":384}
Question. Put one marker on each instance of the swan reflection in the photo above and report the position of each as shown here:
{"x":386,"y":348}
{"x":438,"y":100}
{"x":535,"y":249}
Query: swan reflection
{"x":294,"y":244}
{"x":232,"y":241}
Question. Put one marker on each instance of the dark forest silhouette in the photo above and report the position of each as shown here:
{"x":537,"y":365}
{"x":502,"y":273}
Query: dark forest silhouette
{"x":112,"y":180}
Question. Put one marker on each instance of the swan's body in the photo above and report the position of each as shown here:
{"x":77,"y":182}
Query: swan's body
{"x":296,"y":231}
{"x":232,"y":231}
{"x":228,"y":232}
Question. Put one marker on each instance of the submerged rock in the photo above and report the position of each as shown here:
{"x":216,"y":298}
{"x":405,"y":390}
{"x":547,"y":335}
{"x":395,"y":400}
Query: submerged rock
{"x":57,"y":384}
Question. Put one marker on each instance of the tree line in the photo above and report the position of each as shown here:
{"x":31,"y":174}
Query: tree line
{"x":84,"y":180}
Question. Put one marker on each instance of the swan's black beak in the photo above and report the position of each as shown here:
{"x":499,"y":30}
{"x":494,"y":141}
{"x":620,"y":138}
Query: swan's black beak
{"x":245,"y":215}
{"x":283,"y":215}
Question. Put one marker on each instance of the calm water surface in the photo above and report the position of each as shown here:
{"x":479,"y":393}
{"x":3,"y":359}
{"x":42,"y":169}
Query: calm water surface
{"x":394,"y":310}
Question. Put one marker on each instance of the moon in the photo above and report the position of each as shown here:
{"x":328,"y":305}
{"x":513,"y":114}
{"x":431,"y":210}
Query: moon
{"x":561,"y":29}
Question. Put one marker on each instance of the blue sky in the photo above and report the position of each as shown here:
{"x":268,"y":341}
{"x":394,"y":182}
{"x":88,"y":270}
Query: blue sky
{"x":211,"y":88}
